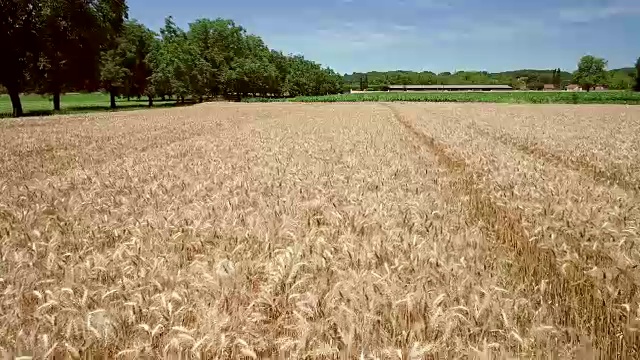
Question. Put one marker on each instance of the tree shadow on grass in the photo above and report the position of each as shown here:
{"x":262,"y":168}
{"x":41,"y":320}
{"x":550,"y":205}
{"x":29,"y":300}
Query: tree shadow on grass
{"x":80,"y":109}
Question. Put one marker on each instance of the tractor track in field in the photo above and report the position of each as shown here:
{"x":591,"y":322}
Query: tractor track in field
{"x":579,"y":301}
{"x":607,"y":177}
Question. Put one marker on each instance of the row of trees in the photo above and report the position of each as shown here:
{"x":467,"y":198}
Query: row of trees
{"x":591,"y":71}
{"x":531,"y":79}
{"x":213,"y":57}
{"x":54,"y":45}
{"x":57,"y":46}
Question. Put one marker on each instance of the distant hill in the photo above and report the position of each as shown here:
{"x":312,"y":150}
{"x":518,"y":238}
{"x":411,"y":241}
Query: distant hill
{"x":622,"y":79}
{"x":626,"y":70}
{"x":564,"y":75}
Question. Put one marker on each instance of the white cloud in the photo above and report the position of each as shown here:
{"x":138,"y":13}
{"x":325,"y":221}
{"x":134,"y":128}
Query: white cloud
{"x":371,"y":36}
{"x":402,"y":27}
{"x":593,"y":12}
{"x":364,"y":42}
{"x":462,"y":29}
{"x":430,"y":4}
{"x":361,"y":36}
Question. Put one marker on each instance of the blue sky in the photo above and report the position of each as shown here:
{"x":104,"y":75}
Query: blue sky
{"x":445,"y":35}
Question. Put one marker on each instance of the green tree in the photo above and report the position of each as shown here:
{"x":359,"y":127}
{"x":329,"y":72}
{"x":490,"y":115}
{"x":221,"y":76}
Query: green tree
{"x":119,"y":64}
{"x":139,"y":41}
{"x":281,"y":64}
{"x":221,"y":43}
{"x":251,"y":71}
{"x":160,"y":79}
{"x":591,"y":72}
{"x":328,"y":82}
{"x":160,"y":65}
{"x":364,"y":82}
{"x":19,"y":38}
{"x":70,"y":35}
{"x":113,"y":72}
{"x":266,"y":74}
{"x":309,"y":78}
{"x":299,"y":80}
{"x":171,"y":62}
{"x":557,"y":78}
{"x":199,"y":73}
{"x":636,"y":87}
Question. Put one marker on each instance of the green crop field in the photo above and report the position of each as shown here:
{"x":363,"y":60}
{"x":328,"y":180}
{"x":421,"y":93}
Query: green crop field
{"x":37,"y":105}
{"x":525,"y":97}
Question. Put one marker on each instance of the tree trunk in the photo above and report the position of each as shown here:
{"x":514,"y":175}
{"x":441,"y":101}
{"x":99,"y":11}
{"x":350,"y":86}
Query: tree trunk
{"x":182,"y":99}
{"x":56,"y":101}
{"x":162,"y":97}
{"x":150,"y":101}
{"x":112,"y":95}
{"x":201,"y":99}
{"x":128,"y":97}
{"x":14,"y":94}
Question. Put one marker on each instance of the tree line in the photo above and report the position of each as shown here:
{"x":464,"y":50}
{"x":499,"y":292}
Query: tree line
{"x":591,"y":71}
{"x":58,"y":46}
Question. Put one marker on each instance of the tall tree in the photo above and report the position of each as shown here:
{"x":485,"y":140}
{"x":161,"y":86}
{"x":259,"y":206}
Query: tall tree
{"x":308,"y":78}
{"x":364,"y":82}
{"x":19,"y":25}
{"x":70,"y":36}
{"x":557,"y":78}
{"x":591,"y":72}
{"x":161,"y":72}
{"x":115,"y":51}
{"x":281,"y":65}
{"x":113,"y":71}
{"x":220,"y":43}
{"x":139,"y":41}
{"x":253,"y":72}
{"x":637,"y":84}
{"x":172,"y":62}
{"x":113,"y":14}
{"x":299,"y":81}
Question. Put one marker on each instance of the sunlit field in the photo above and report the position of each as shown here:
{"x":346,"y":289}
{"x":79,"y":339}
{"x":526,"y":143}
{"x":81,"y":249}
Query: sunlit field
{"x":316,"y":231}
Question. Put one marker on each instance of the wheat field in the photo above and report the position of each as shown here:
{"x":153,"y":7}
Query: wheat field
{"x":322,"y":231}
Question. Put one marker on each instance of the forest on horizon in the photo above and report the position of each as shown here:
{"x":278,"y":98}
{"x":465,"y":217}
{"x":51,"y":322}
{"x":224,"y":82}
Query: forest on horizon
{"x":531,"y":79}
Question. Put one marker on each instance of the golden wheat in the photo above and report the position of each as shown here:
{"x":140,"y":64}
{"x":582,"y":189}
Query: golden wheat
{"x":317,"y":231}
{"x":583,"y":227}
